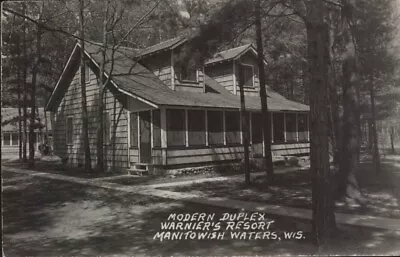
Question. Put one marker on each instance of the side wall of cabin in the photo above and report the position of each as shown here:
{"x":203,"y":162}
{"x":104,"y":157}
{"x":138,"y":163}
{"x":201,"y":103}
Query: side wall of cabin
{"x":68,"y":136}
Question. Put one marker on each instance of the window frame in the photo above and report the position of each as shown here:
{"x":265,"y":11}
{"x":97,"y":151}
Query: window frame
{"x":106,"y":138}
{"x":68,"y":142}
{"x":181,"y":68}
{"x":9,"y":140}
{"x":241,"y":65}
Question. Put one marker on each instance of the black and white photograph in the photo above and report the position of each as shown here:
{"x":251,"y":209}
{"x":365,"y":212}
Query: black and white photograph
{"x":200,"y":127}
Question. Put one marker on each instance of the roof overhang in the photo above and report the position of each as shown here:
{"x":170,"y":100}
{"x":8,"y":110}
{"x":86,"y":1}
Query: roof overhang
{"x":52,"y":102}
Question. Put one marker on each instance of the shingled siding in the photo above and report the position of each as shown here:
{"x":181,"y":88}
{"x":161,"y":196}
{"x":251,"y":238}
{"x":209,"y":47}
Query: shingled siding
{"x":71,"y":107}
{"x":160,"y":65}
{"x":222,"y":73}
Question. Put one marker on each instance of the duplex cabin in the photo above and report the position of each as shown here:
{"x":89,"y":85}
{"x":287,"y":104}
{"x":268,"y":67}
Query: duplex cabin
{"x":162,"y":113}
{"x":10,"y":136}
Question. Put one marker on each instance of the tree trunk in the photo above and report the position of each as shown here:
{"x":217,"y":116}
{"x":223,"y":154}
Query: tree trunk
{"x":392,"y":132}
{"x":19,"y":90}
{"x":347,"y":184}
{"x":101,"y":82}
{"x":35,"y":67}
{"x":375,"y":150}
{"x":318,"y":53}
{"x":86,"y":147}
{"x":266,"y":125}
{"x":245,"y":131}
{"x":25,"y":93}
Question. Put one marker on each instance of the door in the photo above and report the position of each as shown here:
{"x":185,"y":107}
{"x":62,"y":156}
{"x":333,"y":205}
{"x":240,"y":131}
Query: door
{"x":145,"y":137}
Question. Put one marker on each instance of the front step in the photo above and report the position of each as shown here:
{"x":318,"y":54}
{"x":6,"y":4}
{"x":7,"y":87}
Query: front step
{"x":141,"y":169}
{"x":138,"y":172}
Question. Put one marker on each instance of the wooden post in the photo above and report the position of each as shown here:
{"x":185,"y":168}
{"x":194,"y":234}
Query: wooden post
{"x":206,"y":126}
{"x":186,"y":128}
{"x":284,"y":127}
{"x":163,"y":127}
{"x":224,"y":126}
{"x":234,"y":77}
{"x":129,"y":136}
{"x":297,"y":127}
{"x":272,"y":126}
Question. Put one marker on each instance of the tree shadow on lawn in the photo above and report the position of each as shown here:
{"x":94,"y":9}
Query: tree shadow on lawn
{"x":294,"y":189}
{"x":59,"y":168}
{"x":48,"y":218}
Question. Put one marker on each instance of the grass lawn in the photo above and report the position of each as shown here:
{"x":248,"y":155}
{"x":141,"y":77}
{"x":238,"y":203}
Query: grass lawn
{"x":382,"y":191}
{"x":46,"y":217}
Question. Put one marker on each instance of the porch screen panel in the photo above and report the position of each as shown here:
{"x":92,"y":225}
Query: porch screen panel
{"x":197,"y":127}
{"x":134,"y":130}
{"x":6,"y":138}
{"x":303,"y":126}
{"x":232,"y":126}
{"x":256,"y":128}
{"x":156,"y":128}
{"x":291,"y":133}
{"x":176,"y":127}
{"x":14,"y":138}
{"x":279,"y":136}
{"x":215,"y":128}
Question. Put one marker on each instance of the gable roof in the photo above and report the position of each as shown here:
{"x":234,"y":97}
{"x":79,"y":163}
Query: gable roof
{"x":134,"y":80}
{"x":232,"y":53}
{"x":162,"y":46}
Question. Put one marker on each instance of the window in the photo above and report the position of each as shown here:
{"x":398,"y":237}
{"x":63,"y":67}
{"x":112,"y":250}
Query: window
{"x":279,"y":135}
{"x":197,"y":127}
{"x":6,"y":139}
{"x":248,"y":75}
{"x":302,"y":120}
{"x":291,"y":133}
{"x":14,"y":137}
{"x":176,"y":127}
{"x":87,"y":72}
{"x":256,"y":128}
{"x":215,"y":128}
{"x":156,"y":128}
{"x":107,"y":128}
{"x":133,"y":130}
{"x":232,"y":126}
{"x":187,"y":73}
{"x":69,"y":127}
